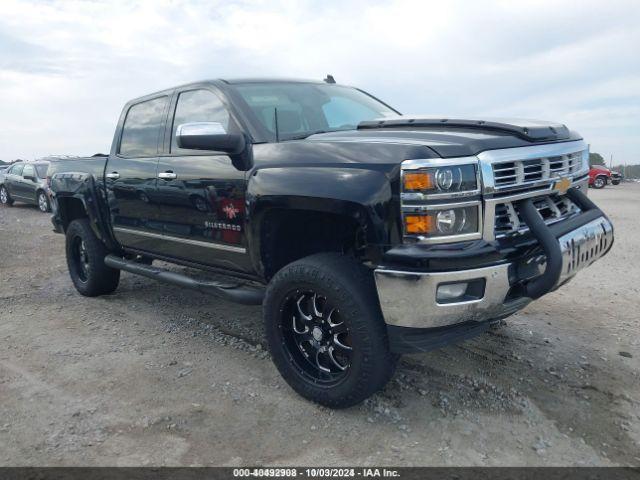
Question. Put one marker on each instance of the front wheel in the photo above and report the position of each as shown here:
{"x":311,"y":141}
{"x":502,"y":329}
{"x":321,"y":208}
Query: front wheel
{"x":599,"y":182}
{"x":43,"y":202}
{"x":85,"y":259}
{"x":325,"y":330}
{"x":5,"y":199}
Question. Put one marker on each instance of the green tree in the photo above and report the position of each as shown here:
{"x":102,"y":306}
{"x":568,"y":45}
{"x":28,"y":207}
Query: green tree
{"x":595,"y":159}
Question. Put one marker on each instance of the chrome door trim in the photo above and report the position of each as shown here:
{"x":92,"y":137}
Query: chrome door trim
{"x":197,"y":243}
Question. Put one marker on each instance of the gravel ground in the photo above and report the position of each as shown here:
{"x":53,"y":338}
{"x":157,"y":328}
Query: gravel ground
{"x":155,"y":375}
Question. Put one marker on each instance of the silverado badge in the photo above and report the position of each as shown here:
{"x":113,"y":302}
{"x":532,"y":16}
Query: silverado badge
{"x":562,"y":185}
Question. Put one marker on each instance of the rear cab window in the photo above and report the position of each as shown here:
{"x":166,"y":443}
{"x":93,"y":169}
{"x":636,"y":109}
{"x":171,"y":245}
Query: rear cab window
{"x":142,"y":128}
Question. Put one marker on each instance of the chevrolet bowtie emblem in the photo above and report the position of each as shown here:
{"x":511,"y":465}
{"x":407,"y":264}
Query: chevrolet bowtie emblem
{"x":562,"y":185}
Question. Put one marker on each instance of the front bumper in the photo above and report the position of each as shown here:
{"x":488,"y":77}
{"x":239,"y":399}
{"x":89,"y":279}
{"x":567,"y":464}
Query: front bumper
{"x":408,"y":298}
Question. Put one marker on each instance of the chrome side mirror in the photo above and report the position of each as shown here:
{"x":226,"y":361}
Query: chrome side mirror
{"x":210,"y":136}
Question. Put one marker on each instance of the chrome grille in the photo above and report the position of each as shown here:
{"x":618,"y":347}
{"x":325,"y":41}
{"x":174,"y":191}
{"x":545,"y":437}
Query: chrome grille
{"x":518,"y":173}
{"x":551,"y":208}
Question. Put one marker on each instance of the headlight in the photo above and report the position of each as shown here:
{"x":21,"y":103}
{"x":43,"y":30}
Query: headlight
{"x":444,"y":221}
{"x":440,"y":200}
{"x":441,"y":180}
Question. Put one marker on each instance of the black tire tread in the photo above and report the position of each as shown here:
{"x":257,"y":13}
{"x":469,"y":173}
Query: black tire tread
{"x":38,"y":193}
{"x":102,"y":279}
{"x":9,"y":199}
{"x":353,"y":286}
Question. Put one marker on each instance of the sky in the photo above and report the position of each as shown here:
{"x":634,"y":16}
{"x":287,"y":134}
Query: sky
{"x":68,"y":67}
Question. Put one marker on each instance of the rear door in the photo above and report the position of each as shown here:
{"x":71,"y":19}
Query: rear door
{"x":201,"y":195}
{"x":130,"y":174}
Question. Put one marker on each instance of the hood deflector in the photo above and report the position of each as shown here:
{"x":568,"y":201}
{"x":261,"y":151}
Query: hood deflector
{"x":531,"y":130}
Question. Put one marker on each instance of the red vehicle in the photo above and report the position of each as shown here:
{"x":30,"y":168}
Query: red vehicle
{"x":599,"y":176}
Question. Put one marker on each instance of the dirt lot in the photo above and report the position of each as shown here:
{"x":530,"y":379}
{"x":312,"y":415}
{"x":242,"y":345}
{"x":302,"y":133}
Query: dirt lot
{"x":154,"y":375}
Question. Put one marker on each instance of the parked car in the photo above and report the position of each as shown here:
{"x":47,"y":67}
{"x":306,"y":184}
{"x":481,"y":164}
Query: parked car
{"x":3,"y":170}
{"x":599,"y":176}
{"x":616,"y":178}
{"x":363,"y":233}
{"x":26,"y":182}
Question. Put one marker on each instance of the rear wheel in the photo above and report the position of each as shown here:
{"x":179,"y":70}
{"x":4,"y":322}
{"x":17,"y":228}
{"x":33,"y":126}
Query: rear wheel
{"x":5,"y":198}
{"x":43,"y":202}
{"x":85,"y":259}
{"x":325,"y":330}
{"x":599,"y":182}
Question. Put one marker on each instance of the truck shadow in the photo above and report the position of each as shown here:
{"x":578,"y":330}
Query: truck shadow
{"x":505,"y":371}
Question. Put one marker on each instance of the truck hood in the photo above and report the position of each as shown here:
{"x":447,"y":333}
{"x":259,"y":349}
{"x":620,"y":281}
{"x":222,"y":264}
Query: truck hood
{"x":452,"y":137}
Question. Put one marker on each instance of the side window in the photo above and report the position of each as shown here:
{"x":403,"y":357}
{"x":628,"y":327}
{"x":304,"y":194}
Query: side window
{"x":198,"y":106}
{"x":17,"y":169}
{"x":142,"y":128}
{"x":28,"y":171}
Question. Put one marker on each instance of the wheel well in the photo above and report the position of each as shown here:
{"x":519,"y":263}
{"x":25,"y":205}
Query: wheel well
{"x":288,"y":235}
{"x":70,"y":209}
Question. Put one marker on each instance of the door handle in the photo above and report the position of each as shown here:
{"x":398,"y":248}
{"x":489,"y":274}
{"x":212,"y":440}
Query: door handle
{"x":167,"y":175}
{"x":113,"y":175}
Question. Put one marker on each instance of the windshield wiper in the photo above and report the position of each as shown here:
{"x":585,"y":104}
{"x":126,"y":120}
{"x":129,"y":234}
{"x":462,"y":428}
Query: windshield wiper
{"x":302,"y":136}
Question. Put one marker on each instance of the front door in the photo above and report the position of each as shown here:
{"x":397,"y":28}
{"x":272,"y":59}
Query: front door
{"x":13,"y":180}
{"x":130,"y":175}
{"x":201,"y":195}
{"x":29,"y":183}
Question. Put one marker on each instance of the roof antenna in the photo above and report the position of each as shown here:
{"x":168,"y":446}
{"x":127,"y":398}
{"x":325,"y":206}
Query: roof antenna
{"x":329,"y":79}
{"x":275,"y":124}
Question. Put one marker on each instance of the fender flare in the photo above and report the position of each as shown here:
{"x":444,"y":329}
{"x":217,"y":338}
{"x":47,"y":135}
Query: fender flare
{"x":362,"y":195}
{"x":84,"y":188}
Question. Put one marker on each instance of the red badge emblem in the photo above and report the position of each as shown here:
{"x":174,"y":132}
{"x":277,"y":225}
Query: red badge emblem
{"x":230,"y":211}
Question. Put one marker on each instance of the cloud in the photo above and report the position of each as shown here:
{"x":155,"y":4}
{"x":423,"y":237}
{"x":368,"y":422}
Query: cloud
{"x":66,"y":68}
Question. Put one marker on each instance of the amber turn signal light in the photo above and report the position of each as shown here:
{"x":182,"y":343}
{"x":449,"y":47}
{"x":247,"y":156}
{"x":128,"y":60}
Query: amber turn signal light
{"x":417,"y":224}
{"x":418,"y":181}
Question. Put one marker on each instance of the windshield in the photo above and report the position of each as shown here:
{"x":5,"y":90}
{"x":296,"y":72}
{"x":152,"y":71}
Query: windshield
{"x":302,"y":109}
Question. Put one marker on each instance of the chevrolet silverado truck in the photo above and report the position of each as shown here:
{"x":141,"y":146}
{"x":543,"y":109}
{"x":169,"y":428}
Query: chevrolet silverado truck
{"x":363,"y":233}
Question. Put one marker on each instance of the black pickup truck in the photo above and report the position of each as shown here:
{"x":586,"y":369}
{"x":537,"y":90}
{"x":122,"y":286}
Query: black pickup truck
{"x":364,"y":233}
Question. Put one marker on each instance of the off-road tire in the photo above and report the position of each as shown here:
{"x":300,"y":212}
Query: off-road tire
{"x":43,"y":202}
{"x":351,"y":288}
{"x":90,"y":276}
{"x":5,"y":198}
{"x":599,"y":182}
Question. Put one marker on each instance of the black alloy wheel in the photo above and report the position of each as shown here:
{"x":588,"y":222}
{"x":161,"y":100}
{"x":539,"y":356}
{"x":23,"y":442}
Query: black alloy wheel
{"x":317,"y":338}
{"x":80,"y":259}
{"x":325,"y":330}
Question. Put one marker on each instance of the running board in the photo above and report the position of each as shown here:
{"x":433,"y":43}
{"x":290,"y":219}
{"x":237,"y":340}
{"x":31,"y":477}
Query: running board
{"x":237,"y":293}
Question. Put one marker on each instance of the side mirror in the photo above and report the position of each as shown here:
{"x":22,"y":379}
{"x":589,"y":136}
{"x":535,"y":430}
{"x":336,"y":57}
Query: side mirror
{"x":209,"y":136}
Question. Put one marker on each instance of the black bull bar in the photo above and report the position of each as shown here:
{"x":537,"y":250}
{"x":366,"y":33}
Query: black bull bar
{"x":545,"y":282}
